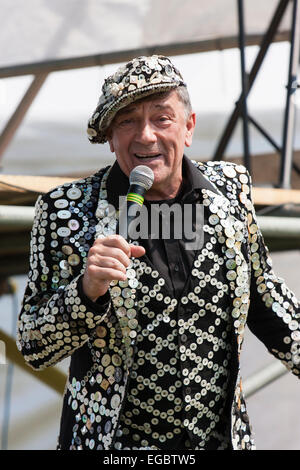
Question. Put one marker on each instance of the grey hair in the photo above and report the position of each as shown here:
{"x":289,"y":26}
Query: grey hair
{"x":183,"y":95}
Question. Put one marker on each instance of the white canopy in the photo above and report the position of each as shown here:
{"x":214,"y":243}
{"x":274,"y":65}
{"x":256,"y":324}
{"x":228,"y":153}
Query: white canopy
{"x":42,"y":30}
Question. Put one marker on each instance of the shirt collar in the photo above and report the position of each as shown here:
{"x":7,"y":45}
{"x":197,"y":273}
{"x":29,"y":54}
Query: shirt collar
{"x":195,"y":178}
{"x":117,"y":184}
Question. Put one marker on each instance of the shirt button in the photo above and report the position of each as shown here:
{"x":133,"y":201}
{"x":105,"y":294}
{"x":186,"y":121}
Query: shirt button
{"x":176,"y":268}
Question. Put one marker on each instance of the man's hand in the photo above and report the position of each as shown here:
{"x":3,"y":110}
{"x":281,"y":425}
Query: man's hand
{"x":107,"y":261}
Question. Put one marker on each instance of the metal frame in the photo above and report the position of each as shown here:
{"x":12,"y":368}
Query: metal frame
{"x":247,"y":81}
{"x":19,"y":114}
{"x":292,"y":84}
{"x":244,"y":84}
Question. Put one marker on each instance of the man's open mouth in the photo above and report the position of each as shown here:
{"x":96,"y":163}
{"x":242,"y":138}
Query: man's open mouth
{"x":154,"y":155}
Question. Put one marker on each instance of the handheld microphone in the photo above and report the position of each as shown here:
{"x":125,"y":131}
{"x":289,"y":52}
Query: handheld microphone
{"x":141,"y":179}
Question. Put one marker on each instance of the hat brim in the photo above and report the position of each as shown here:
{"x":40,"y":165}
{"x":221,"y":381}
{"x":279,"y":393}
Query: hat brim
{"x":97,"y":128}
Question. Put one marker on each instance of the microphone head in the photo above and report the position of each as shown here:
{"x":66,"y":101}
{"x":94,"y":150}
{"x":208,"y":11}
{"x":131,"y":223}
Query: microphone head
{"x":142,"y":175}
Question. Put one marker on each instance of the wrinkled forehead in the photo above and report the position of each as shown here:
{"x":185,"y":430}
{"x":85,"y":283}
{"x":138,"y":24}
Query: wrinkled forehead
{"x":159,"y":101}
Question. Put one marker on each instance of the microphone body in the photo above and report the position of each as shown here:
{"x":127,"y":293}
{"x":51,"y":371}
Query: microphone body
{"x":141,"y":179}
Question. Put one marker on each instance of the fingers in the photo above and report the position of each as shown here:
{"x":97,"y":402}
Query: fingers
{"x":106,"y":274}
{"x":116,"y":241}
{"x":117,"y":246}
{"x":107,"y":260}
{"x":103,"y":256}
{"x":137,"y":251}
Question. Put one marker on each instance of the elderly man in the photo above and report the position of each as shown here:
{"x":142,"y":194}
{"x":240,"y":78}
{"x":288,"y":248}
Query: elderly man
{"x":154,"y":328}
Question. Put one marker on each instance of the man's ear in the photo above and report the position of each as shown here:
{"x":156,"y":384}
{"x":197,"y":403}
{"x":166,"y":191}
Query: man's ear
{"x":190,"y":126}
{"x":109,"y":139}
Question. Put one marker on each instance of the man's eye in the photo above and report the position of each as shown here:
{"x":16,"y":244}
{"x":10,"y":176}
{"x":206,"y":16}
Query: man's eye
{"x":125,"y":122}
{"x":163,"y":118}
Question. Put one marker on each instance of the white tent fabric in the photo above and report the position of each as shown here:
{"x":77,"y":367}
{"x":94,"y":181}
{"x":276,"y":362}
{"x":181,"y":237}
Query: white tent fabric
{"x":40,"y":30}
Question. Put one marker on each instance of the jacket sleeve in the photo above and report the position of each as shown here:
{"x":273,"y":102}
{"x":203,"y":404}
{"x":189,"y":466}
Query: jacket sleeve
{"x":56,"y":318}
{"x":274,"y":312}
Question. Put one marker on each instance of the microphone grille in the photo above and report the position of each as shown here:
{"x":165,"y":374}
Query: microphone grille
{"x":142,"y":175}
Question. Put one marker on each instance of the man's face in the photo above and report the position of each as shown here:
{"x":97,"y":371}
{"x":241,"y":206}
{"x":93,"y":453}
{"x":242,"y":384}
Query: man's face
{"x":153,"y":132}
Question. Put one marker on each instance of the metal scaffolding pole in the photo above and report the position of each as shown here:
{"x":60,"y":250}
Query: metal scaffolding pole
{"x":264,"y":47}
{"x":289,"y":118}
{"x":264,"y":377}
{"x":244,"y":82}
{"x":106,"y":58}
{"x":286,"y":151}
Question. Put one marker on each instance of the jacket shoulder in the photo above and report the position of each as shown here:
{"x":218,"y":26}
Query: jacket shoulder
{"x":74,"y":190}
{"x":224,"y":169}
{"x":230,"y":179}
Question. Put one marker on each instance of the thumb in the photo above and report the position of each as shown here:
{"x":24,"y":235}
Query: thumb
{"x":137,"y":251}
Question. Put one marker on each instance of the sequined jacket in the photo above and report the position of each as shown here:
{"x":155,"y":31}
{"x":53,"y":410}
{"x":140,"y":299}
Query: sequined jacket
{"x":57,"y":320}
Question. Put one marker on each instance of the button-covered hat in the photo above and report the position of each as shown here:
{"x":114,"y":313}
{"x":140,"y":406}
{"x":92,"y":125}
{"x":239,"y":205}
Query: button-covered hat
{"x":140,"y":77}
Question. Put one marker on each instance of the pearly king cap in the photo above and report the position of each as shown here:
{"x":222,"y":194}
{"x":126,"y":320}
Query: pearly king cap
{"x":139,"y":78}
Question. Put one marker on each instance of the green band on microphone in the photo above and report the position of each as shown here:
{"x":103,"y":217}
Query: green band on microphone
{"x":135,"y":198}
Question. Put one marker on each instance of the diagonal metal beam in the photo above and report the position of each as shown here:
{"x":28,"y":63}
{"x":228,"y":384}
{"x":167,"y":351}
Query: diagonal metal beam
{"x":263,"y":377}
{"x":52,"y":377}
{"x":20,"y":112}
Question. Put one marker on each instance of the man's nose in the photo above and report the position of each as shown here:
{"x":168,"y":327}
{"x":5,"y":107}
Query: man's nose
{"x":145,"y":133}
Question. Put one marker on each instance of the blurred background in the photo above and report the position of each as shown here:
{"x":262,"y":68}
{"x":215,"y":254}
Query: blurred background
{"x":240,"y":60}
